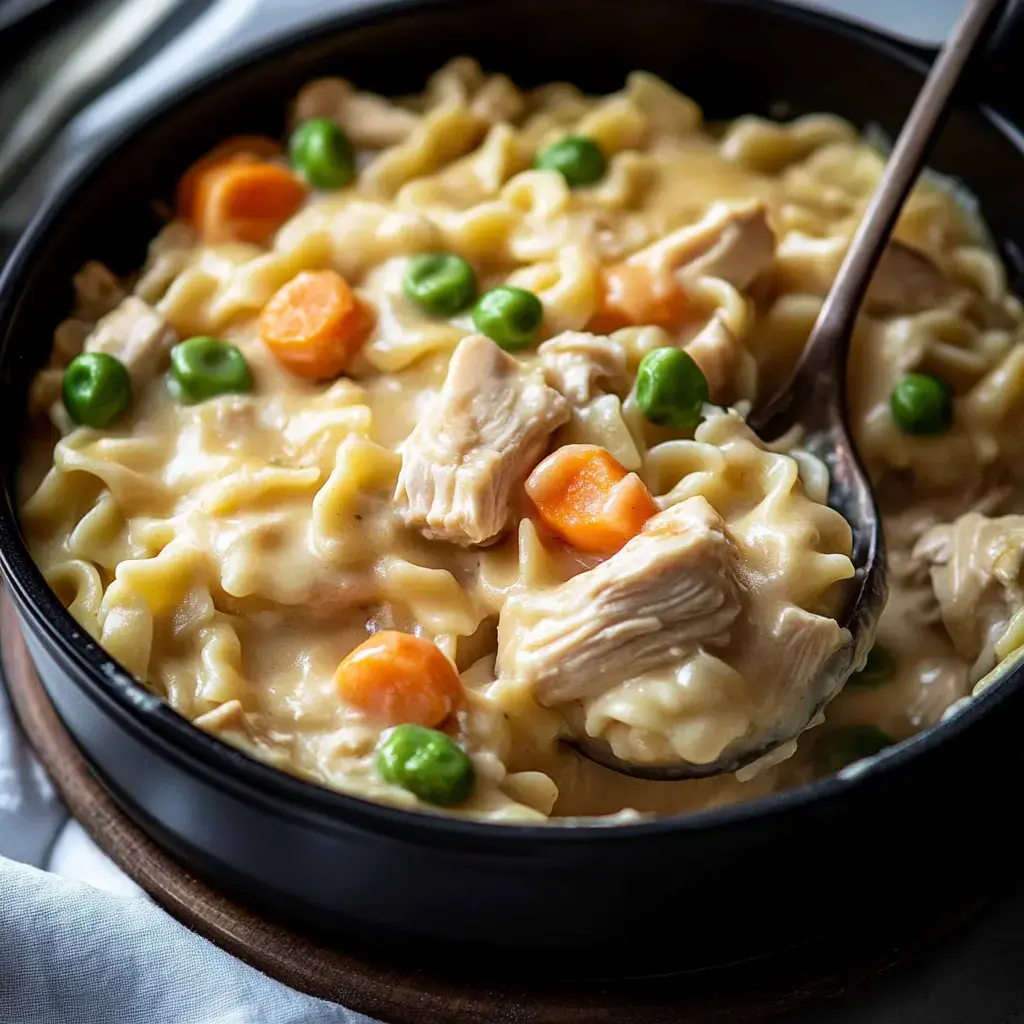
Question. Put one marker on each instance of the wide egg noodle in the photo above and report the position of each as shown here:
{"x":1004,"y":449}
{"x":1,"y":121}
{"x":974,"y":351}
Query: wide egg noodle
{"x":230,"y":554}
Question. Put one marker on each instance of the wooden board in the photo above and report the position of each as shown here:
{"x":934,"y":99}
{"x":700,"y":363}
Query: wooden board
{"x":400,"y":995}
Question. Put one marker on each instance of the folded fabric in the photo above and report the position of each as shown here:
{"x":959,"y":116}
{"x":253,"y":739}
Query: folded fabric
{"x":91,"y":947}
{"x":73,"y":954}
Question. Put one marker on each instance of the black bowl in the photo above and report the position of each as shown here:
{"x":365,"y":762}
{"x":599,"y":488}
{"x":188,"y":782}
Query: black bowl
{"x":663,"y":895}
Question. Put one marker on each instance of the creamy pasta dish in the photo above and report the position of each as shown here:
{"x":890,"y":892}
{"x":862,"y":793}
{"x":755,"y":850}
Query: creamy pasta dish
{"x":417,"y":447}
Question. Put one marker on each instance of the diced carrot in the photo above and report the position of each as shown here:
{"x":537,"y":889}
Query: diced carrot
{"x":244,"y":200}
{"x":314,"y":324}
{"x":634,"y":295}
{"x":251,"y":147}
{"x":398,"y":677}
{"x":584,"y":494}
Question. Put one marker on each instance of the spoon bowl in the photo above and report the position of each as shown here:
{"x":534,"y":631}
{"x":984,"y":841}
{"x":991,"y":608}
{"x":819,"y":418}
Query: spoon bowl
{"x":850,"y":494}
{"x":814,"y":403}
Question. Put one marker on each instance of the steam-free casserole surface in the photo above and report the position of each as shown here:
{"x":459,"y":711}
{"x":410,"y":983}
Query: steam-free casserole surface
{"x":525,"y":512}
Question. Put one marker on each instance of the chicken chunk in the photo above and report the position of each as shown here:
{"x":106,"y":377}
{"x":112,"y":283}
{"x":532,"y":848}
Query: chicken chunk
{"x":801,"y":643}
{"x":699,"y":706}
{"x":137,"y":335}
{"x":906,"y":281}
{"x":584,"y":366}
{"x":97,"y":291}
{"x":732,"y":241}
{"x":485,"y":431}
{"x":731,"y":370}
{"x":370,"y":121}
{"x":230,"y":723}
{"x":977,"y":564}
{"x":670,"y":588}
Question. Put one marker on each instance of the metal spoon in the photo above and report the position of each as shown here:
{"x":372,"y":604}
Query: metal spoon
{"x":815,"y":399}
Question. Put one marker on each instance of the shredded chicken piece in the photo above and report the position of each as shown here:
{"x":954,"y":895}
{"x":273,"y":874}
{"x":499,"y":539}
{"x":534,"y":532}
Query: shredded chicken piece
{"x":584,"y":366}
{"x":169,"y":254}
{"x":493,"y":98}
{"x":670,"y":588}
{"x":731,"y":370}
{"x":699,"y":707}
{"x":977,"y":564}
{"x":369,"y":120}
{"x":486,"y":430}
{"x":97,"y":291}
{"x":229,"y":722}
{"x":732,"y":242}
{"x":137,"y":335}
{"x":802,"y":642}
{"x":906,"y":281}
{"x":498,"y":101}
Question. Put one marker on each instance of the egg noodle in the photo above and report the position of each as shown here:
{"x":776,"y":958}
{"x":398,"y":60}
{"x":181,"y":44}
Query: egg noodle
{"x":231,"y":552}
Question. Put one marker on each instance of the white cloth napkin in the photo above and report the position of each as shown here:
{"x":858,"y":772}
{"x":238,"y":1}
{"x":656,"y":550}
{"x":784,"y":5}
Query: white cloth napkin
{"x":80,"y":943}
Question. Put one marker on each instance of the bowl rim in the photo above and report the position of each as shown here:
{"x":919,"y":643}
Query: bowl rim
{"x":148,"y":716}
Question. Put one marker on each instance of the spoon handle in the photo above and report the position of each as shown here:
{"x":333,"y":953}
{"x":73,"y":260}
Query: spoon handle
{"x":820,"y":368}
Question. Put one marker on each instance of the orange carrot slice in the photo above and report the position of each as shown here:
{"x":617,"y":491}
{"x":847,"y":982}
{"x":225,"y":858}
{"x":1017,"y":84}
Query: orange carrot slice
{"x":583,"y":494}
{"x":633,"y":295}
{"x":251,"y":147}
{"x":244,"y":200}
{"x":398,"y":678}
{"x":314,"y":324}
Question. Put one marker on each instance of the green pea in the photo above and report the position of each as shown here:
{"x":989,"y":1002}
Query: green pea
{"x":922,"y":404}
{"x":842,"y":746}
{"x":440,"y":283}
{"x":203,"y":368}
{"x":508,"y":315}
{"x":670,"y":388}
{"x":321,"y":151}
{"x":879,"y":668}
{"x":578,"y":159}
{"x":97,"y":389}
{"x":427,"y":763}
